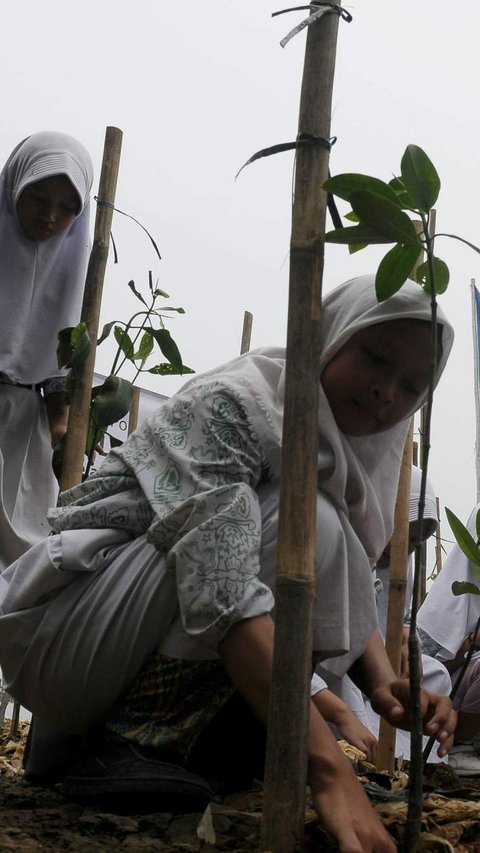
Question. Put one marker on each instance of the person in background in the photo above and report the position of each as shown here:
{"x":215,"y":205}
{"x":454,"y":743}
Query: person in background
{"x":435,"y":674}
{"x":447,"y":624}
{"x":148,"y":614}
{"x":44,"y":249}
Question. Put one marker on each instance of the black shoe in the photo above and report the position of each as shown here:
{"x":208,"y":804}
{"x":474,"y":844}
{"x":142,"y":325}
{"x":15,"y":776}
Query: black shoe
{"x":129,"y":779}
{"x":49,"y":753}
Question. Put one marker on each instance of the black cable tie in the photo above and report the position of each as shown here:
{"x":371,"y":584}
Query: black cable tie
{"x":302,"y":141}
{"x":108,"y":204}
{"x":322,"y":6}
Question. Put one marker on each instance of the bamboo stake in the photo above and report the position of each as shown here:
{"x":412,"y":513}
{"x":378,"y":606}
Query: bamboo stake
{"x":396,"y":595}
{"x":438,"y":541}
{"x":246,"y":332}
{"x":287,"y":750}
{"x":398,"y":582}
{"x":80,"y":405}
{"x":15,"y":720}
{"x":133,"y":416}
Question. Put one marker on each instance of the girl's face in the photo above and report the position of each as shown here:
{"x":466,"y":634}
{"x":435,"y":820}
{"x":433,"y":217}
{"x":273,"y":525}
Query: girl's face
{"x":378,"y":376}
{"x":47,"y":207}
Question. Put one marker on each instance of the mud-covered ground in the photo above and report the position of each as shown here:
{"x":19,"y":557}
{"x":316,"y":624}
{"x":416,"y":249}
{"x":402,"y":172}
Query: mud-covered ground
{"x":37,"y":819}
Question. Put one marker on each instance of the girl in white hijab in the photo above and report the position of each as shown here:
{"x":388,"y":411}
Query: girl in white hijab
{"x":447,"y":625}
{"x":44,"y":248}
{"x":149,"y":606}
{"x":435,"y":676}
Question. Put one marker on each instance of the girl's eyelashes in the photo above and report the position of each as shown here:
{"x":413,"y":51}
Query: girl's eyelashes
{"x":411,"y":389}
{"x":41,"y":199}
{"x":375,"y":357}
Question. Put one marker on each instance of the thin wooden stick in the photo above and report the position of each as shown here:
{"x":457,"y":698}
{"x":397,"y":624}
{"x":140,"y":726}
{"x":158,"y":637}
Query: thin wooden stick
{"x":287,"y":741}
{"x":246,"y":332}
{"x":92,"y":299}
{"x":15,"y":720}
{"x":133,"y":416}
{"x":396,"y":594}
{"x":438,"y":541}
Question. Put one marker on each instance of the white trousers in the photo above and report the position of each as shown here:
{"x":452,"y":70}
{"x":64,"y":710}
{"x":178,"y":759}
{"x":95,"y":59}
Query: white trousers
{"x":73,"y":640}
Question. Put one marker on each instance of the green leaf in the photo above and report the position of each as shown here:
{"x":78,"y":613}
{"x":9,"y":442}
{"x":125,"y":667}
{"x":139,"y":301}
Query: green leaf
{"x":134,"y":290}
{"x":352,"y":217}
{"x":124,"y":342}
{"x":356,"y":247}
{"x":350,"y":182}
{"x":384,"y":217}
{"x":168,"y":347}
{"x":420,"y":178}
{"x":394,"y":269}
{"x":145,"y":348}
{"x":355,"y":234}
{"x":441,"y":275}
{"x":403,"y":198}
{"x":74,"y":345}
{"x":106,"y":331}
{"x":465,"y":541}
{"x":464,"y":588}
{"x":169,"y":370}
{"x":111,"y":401}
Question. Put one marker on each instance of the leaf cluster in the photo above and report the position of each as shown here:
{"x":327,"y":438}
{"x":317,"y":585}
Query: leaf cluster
{"x":381,"y":211}
{"x":137,"y":340}
{"x":470,"y":548}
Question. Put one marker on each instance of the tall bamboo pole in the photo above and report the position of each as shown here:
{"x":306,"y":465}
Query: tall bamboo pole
{"x":396,"y":595}
{"x":287,"y":750}
{"x":246,"y":332}
{"x":397,"y":589}
{"x":92,"y":299}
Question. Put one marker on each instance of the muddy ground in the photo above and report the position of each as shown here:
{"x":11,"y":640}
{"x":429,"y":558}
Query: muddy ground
{"x":37,"y":819}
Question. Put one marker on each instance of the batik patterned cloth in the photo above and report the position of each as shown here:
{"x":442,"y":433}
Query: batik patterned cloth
{"x":170,"y":703}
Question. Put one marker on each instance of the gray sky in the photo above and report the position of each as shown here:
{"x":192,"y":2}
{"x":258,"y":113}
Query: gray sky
{"x":196,"y":89}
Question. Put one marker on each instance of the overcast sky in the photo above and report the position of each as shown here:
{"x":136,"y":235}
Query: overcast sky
{"x":196,"y":89}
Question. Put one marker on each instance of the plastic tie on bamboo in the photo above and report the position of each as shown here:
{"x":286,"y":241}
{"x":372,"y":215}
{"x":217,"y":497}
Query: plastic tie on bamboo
{"x":102,"y":203}
{"x":323,"y":6}
{"x":303,"y":140}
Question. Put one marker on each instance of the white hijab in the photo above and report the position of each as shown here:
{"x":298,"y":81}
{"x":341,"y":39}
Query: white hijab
{"x":430,"y":518}
{"x":41,"y":283}
{"x":360,"y":475}
{"x":446,"y":617}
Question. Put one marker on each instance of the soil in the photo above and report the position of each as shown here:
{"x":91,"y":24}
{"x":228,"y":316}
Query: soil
{"x":41,"y":819}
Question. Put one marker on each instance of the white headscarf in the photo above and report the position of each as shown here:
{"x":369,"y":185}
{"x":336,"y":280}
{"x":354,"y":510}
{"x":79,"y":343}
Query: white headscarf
{"x":446,"y":617}
{"x":360,"y":475}
{"x":430,"y":513}
{"x":41,"y":283}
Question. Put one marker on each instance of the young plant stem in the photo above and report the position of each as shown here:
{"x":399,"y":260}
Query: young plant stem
{"x":414,"y":816}
{"x":116,"y":368}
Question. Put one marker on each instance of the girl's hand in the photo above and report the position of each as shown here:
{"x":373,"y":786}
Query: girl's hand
{"x":345,"y":811}
{"x":353,"y":731}
{"x":57,"y":414}
{"x":392,"y":701}
{"x":335,"y":710}
{"x":340,"y":802}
